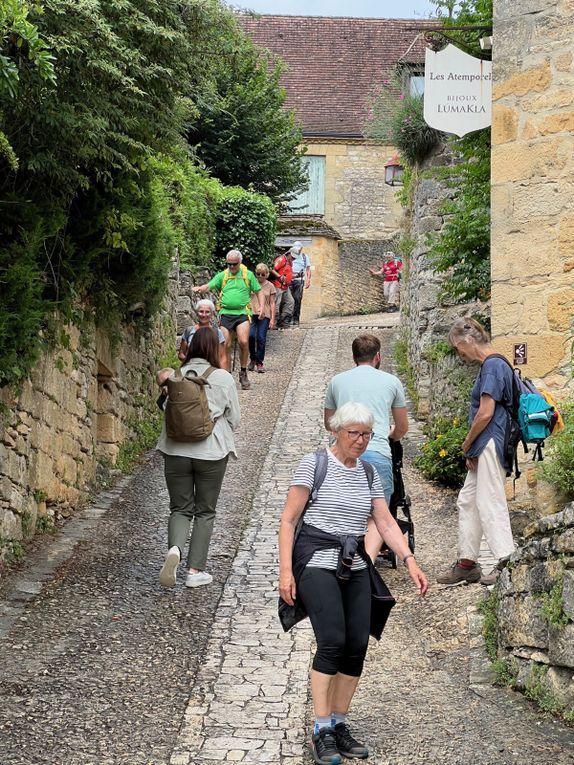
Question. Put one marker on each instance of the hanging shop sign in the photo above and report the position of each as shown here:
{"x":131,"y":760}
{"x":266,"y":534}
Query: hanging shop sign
{"x":458,"y":91}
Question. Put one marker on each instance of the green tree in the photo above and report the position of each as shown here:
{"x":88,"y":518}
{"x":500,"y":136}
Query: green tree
{"x":243,"y":133}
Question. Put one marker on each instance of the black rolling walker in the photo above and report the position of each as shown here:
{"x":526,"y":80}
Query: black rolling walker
{"x":400,"y":503}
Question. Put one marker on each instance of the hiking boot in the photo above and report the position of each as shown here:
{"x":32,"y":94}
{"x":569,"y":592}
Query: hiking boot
{"x":324,"y":747}
{"x":489,"y":579}
{"x":260,"y":368}
{"x":347,"y":745}
{"x":460,"y":575}
{"x":251,"y":366}
{"x":167,"y":575}
{"x":198,"y":579}
{"x":243,"y":381}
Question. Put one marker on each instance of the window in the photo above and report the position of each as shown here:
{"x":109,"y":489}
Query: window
{"x":312,"y":201}
{"x":416,"y":84}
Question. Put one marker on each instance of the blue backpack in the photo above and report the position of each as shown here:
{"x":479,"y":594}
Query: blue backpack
{"x":531,"y":417}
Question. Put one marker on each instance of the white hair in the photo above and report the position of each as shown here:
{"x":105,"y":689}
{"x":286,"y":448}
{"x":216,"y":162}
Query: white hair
{"x":351,"y":413}
{"x":235,"y":254}
{"x":205,"y":303}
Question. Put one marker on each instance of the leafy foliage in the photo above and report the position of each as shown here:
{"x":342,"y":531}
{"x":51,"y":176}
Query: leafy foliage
{"x":410,"y":133}
{"x":558,"y":466}
{"x":246,"y":222}
{"x":98,"y":184}
{"x":441,"y":458}
{"x":462,"y":249}
{"x":21,"y":45}
{"x":243,"y":134}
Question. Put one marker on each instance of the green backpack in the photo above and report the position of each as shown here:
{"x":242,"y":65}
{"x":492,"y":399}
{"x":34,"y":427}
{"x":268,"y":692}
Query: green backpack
{"x":187,"y":416}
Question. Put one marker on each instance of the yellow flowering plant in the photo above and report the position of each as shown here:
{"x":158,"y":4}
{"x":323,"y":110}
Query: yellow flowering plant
{"x":441,"y":458}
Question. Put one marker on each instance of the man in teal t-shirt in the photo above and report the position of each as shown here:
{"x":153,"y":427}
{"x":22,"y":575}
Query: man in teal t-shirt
{"x":236,"y":284}
{"x":384,"y":395}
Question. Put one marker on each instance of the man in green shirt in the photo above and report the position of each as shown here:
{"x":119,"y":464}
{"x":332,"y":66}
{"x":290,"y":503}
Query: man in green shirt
{"x":236,"y":284}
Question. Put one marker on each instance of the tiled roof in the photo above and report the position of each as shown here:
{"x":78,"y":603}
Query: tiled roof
{"x":334,"y":63}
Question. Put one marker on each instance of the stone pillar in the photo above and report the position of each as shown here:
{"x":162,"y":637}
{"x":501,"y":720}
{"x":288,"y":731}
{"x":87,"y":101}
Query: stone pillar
{"x":532,"y":186}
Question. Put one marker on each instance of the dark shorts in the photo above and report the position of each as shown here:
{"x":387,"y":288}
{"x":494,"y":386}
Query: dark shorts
{"x":232,"y":321}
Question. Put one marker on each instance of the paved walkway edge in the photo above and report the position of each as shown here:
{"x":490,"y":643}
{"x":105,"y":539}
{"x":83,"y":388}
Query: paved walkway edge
{"x":248,"y":703}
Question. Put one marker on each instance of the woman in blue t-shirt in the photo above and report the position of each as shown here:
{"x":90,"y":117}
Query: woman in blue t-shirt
{"x":482,"y":507}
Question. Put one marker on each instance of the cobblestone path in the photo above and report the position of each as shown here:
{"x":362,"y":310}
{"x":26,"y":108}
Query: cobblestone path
{"x":99,"y":666}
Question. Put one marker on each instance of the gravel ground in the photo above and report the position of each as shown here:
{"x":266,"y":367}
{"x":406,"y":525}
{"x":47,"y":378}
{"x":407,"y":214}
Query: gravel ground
{"x":96,"y":669}
{"x":96,"y":663}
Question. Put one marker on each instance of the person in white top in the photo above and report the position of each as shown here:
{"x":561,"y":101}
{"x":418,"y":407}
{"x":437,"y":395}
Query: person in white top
{"x":339,"y":606}
{"x":194,"y":471}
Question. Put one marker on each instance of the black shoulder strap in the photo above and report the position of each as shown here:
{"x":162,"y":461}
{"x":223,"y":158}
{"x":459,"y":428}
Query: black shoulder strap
{"x":370,"y":472}
{"x":321,"y":463}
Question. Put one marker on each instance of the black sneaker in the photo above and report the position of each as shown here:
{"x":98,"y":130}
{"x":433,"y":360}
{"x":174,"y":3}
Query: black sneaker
{"x":324,"y":747}
{"x":347,"y":745}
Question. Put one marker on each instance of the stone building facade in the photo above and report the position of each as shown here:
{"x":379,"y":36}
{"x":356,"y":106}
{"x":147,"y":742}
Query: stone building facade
{"x":333,"y":67}
{"x":340,"y":279}
{"x":532,"y":187}
{"x":72,"y":414}
{"x":358,"y":203}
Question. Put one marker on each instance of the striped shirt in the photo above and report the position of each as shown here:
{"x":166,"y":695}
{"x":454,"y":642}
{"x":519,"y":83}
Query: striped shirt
{"x":342,"y":506}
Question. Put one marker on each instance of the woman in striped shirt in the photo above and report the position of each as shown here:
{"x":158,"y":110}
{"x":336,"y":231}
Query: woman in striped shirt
{"x":336,"y":591}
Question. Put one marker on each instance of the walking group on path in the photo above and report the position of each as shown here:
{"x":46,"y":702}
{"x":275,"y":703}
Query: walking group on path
{"x":336,"y":516}
{"x":136,"y":655}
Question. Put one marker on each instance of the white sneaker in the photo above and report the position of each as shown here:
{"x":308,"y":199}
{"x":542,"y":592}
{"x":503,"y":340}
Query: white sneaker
{"x":167,"y":575}
{"x":197,"y":579}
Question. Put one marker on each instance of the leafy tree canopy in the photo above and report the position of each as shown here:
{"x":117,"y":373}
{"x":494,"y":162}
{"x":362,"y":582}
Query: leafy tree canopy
{"x":243,"y":134}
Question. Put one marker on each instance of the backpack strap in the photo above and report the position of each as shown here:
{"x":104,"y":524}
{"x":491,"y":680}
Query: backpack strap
{"x":208,"y":371}
{"x":370,"y":472}
{"x":321,"y":464}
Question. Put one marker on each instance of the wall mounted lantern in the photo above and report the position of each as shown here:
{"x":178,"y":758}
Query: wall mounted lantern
{"x":394,"y":171}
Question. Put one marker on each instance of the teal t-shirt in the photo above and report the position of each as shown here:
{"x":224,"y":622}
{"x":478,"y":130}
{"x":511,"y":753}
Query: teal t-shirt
{"x":379,"y":391}
{"x":235,"y":297}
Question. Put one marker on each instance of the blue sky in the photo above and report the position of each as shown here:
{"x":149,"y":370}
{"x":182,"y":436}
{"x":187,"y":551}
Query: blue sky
{"x":404,"y":9}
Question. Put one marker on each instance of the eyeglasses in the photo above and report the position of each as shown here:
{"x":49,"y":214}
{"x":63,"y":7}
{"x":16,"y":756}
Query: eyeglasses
{"x":260,"y":273}
{"x":232,"y":264}
{"x":354,"y":435}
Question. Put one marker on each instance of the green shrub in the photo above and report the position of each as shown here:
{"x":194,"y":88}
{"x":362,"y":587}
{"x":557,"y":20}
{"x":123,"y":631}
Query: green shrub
{"x":462,"y":249}
{"x":552,"y":610}
{"x":441,"y":458}
{"x":487,"y":608}
{"x":246,"y":221}
{"x":558,"y":465}
{"x":410,"y":133}
{"x":146,"y":432}
{"x":437,"y":351}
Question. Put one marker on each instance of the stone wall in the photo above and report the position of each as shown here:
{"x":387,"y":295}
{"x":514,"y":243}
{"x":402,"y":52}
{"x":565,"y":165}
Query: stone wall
{"x":73,"y":412}
{"x":358,"y":203}
{"x":425,"y":315}
{"x":532,"y":188}
{"x":535,"y":611}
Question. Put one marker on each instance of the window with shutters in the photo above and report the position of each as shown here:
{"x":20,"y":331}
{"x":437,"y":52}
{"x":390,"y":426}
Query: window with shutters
{"x":311,"y":201}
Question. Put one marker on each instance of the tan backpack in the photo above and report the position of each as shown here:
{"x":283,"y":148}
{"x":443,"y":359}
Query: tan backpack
{"x":187,"y":416}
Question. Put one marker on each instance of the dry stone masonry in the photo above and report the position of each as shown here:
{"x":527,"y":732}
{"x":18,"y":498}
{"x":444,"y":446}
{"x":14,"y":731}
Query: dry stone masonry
{"x":71,"y":414}
{"x":535,"y":610}
{"x":532,"y":190}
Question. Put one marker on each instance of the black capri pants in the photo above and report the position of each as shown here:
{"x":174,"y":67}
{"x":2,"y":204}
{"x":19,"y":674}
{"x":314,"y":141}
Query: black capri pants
{"x":340,"y":613}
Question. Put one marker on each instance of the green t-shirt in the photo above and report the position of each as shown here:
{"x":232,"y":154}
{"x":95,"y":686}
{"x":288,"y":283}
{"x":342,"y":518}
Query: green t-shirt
{"x":235,"y":297}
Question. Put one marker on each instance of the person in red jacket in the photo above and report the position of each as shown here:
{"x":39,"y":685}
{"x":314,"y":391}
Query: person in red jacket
{"x":390,"y":271}
{"x":281,"y":276}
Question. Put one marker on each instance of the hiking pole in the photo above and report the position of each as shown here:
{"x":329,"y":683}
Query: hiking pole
{"x":234,"y":353}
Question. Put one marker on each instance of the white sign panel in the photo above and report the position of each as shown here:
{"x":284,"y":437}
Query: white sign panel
{"x":458,"y":91}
